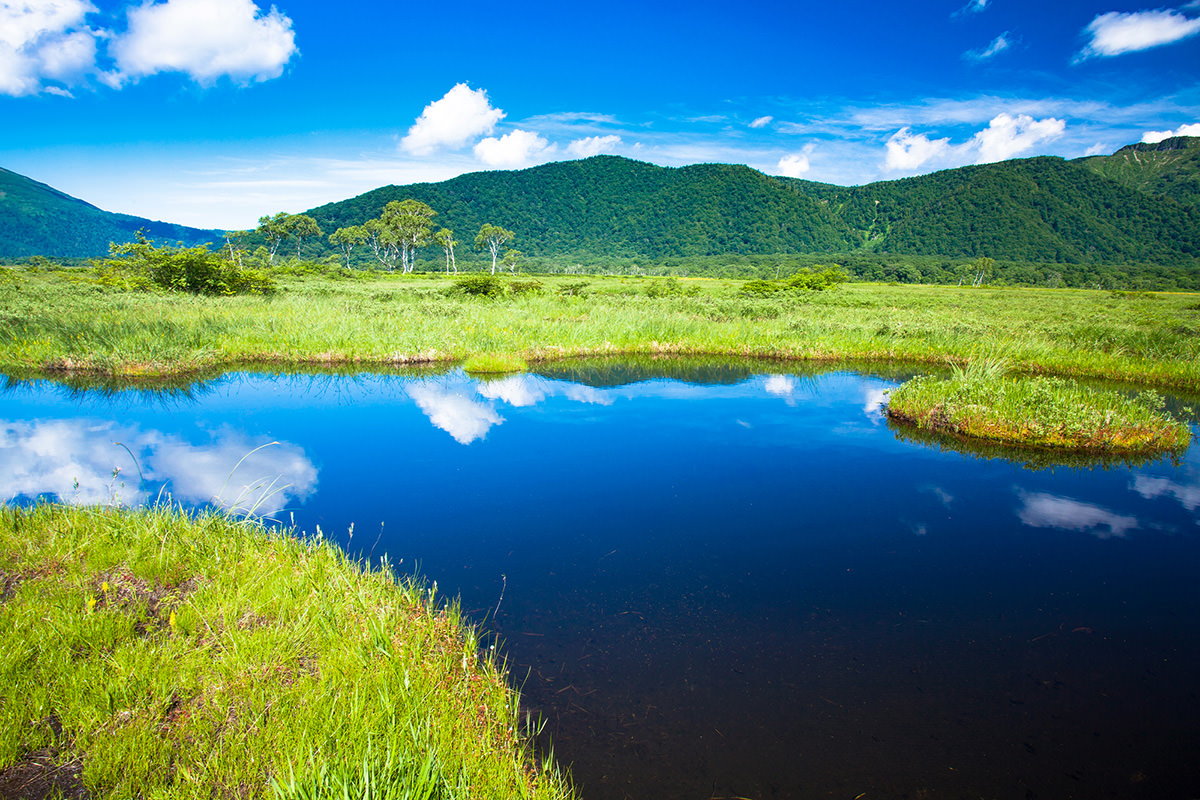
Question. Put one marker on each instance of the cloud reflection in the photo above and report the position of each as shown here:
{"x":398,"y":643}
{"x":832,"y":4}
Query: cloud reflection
{"x":76,"y":460}
{"x":465,"y":408}
{"x":1044,"y":510}
{"x":1149,"y":487}
{"x":451,"y":410}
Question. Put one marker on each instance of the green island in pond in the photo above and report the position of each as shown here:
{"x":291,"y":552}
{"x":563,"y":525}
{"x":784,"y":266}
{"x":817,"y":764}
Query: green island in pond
{"x":982,"y":403}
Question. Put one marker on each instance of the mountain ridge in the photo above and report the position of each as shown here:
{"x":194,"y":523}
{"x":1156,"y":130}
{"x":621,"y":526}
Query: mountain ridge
{"x":1139,"y":205}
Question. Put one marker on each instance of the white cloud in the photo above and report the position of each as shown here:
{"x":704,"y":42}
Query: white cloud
{"x":1154,"y":137}
{"x":44,"y":39}
{"x":1116,"y":32}
{"x":593,"y":145}
{"x":1044,"y":510}
{"x":1098,"y":149}
{"x":463,"y":114}
{"x":206,"y":40}
{"x":997,"y":46}
{"x":972,"y":7}
{"x":514,"y":150}
{"x":795,"y":165}
{"x":761,"y":122}
{"x":906,"y":151}
{"x":780,"y":385}
{"x":1007,"y":136}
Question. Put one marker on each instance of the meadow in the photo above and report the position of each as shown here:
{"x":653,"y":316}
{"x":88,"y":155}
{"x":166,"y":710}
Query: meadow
{"x":77,"y":321}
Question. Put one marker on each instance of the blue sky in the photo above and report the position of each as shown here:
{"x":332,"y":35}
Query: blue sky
{"x":215,"y":112}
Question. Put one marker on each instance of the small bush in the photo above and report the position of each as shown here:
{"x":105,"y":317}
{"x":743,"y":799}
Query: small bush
{"x":759,"y":288}
{"x":478,"y":284}
{"x":574,"y":289}
{"x":811,"y":280}
{"x":530,"y":287}
{"x":671,"y":287}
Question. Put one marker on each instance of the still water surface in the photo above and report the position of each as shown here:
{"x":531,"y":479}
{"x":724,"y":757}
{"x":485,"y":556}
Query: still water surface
{"x":717,"y":584}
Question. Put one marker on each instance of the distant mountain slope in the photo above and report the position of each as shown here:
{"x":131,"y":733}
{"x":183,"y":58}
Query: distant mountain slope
{"x":615,"y":206}
{"x":1170,"y":168}
{"x":36,"y":219}
{"x":1038,"y":209}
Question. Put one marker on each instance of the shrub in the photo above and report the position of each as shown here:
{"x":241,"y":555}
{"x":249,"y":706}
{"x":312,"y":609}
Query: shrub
{"x":811,"y":280}
{"x":530,"y":287}
{"x":574,"y":289}
{"x":478,"y":284}
{"x":197,"y":270}
{"x":759,"y":288}
{"x":671,"y":287}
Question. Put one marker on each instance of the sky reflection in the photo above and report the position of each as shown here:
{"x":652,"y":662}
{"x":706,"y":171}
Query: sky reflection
{"x":102,"y":462}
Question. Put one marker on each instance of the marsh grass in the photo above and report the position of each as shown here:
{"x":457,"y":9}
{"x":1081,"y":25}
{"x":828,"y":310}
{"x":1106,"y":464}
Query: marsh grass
{"x":984,"y":402}
{"x":154,"y":655}
{"x":65,"y":322}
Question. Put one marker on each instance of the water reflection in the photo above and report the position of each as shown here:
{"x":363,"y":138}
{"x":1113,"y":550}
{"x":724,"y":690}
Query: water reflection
{"x":1045,"y":510}
{"x":103,"y":462}
{"x":749,"y":588}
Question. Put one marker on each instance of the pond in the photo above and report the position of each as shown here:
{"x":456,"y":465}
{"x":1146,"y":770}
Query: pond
{"x":714,"y":580}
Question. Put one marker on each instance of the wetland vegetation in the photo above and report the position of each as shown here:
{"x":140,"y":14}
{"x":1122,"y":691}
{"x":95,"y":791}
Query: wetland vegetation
{"x":76,"y":320}
{"x":154,"y":654}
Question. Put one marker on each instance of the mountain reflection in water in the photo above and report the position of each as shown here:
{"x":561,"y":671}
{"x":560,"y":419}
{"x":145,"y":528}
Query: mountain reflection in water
{"x":720,"y":579}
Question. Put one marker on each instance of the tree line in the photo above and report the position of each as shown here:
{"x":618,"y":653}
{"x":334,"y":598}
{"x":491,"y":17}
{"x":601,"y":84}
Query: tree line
{"x":394,"y":237}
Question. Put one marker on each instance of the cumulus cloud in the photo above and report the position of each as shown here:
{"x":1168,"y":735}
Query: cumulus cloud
{"x":1044,"y":510}
{"x":1154,"y":137}
{"x":1117,"y":32}
{"x":761,"y":122}
{"x":909,"y":151}
{"x":44,"y":40}
{"x":205,"y":40}
{"x":1007,"y":136}
{"x":593,"y":145}
{"x":462,"y":115}
{"x":794,"y":165}
{"x":514,"y":150}
{"x":516,"y":390}
{"x":997,"y":46}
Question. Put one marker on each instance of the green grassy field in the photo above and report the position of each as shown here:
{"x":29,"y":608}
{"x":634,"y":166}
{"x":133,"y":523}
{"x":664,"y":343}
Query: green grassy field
{"x":148,"y":654}
{"x":66,"y":320}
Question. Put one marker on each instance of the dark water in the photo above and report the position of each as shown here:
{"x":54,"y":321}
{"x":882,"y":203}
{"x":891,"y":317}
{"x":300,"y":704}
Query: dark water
{"x":729,"y":585}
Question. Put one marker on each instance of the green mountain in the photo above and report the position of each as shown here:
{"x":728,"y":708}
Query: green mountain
{"x":1139,"y":206}
{"x":36,"y":219}
{"x":1170,"y":168}
{"x":1030,"y":210}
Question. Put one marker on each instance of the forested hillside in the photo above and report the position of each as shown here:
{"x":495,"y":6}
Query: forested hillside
{"x":1138,"y":208}
{"x":1170,"y":168}
{"x":1031,"y":210}
{"x":37,"y":220}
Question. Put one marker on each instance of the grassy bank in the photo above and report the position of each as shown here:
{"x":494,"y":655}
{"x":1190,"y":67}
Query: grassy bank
{"x":982,"y":402}
{"x":60,"y":320}
{"x":144,"y":654}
